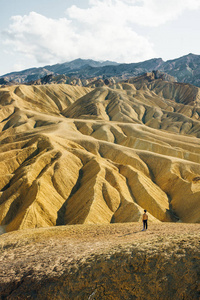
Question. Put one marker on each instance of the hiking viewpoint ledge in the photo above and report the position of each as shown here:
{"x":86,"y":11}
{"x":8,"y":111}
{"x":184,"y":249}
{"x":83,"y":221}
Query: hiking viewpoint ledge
{"x":110,"y":262}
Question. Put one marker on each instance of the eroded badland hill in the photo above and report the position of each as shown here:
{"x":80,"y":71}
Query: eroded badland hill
{"x":74,"y":155}
{"x":98,"y":155}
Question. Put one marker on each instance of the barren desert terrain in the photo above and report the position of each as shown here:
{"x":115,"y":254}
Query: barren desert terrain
{"x":78,"y":165}
{"x":99,"y":155}
{"x":115,"y":261}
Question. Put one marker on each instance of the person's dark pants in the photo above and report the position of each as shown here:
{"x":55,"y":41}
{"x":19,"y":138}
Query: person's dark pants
{"x":145,"y":224}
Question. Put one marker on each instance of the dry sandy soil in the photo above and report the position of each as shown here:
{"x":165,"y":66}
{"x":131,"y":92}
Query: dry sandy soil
{"x":116,"y":261}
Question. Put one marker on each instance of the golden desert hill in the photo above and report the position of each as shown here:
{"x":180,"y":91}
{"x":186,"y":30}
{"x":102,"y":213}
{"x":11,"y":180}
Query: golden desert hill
{"x":99,"y":154}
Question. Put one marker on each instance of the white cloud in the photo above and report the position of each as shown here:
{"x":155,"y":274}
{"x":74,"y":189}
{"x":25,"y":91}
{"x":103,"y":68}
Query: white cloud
{"x":105,"y":30}
{"x":39,"y":37}
{"x":141,"y":12}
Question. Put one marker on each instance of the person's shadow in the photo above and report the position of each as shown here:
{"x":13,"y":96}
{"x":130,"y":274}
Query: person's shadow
{"x":129,"y":233}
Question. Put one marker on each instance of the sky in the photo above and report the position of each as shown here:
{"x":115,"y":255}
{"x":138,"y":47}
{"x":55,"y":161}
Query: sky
{"x":36,"y":33}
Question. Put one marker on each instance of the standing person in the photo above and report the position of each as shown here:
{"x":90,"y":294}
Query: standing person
{"x":144,"y":219}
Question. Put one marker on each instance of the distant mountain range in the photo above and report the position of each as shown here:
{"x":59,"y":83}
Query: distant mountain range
{"x":184,"y":69}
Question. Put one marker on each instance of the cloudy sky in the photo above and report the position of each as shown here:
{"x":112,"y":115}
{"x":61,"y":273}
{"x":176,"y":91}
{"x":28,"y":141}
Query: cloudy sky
{"x":41,"y":32}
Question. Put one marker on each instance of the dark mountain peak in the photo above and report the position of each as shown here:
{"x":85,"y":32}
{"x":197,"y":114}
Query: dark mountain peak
{"x":184,"y":69}
{"x":76,"y":65}
{"x":109,"y":62}
{"x":185,"y":58}
{"x":191,"y":55}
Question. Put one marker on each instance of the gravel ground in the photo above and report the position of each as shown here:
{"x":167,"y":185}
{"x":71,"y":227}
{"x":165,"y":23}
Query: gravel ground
{"x":45,"y":253}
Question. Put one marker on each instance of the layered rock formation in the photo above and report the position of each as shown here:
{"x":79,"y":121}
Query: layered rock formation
{"x":74,"y":155}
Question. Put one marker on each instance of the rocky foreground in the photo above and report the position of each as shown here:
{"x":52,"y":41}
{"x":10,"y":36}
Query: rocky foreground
{"x":115,"y":261}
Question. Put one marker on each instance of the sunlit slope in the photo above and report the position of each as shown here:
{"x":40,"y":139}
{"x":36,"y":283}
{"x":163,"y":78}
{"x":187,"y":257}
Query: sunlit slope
{"x":173,"y":107}
{"x":73,"y":155}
